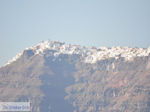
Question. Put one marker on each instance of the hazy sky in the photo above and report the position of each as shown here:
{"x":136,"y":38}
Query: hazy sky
{"x":24,"y":23}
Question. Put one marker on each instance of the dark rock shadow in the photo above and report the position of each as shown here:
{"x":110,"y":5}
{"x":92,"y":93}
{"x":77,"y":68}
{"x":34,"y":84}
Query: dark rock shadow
{"x":54,"y":85}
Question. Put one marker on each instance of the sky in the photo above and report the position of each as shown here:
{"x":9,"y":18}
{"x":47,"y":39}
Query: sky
{"x":24,"y":23}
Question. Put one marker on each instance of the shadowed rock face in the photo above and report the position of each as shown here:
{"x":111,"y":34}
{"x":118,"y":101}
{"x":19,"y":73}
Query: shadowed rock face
{"x":66,"y":84}
{"x":54,"y":85}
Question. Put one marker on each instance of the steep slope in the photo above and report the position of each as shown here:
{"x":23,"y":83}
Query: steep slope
{"x":58,"y":77}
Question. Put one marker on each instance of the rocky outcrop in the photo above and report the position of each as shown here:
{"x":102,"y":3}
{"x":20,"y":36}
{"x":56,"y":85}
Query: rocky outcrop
{"x":56,"y":77}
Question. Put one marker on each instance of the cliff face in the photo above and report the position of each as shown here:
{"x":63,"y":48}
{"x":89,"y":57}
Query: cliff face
{"x":122,"y":88}
{"x":56,"y":79}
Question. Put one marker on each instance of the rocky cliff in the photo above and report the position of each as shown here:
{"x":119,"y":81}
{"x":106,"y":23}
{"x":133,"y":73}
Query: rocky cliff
{"x":59,"y":77}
